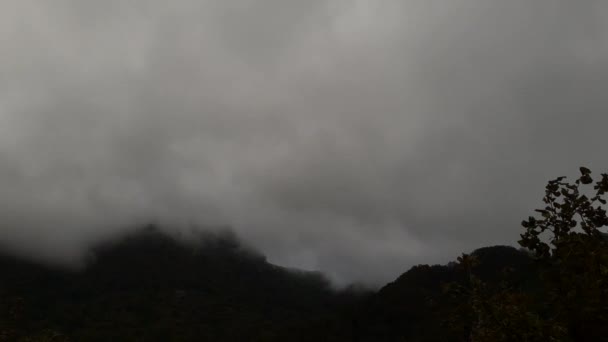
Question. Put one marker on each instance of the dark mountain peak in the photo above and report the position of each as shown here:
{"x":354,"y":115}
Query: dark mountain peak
{"x":492,"y":261}
{"x":149,"y":283}
{"x":499,"y":251}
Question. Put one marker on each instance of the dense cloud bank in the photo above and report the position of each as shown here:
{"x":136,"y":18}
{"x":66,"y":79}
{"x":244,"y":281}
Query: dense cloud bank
{"x":354,"y":137}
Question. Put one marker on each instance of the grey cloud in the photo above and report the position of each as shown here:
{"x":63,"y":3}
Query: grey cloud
{"x":354,"y":137}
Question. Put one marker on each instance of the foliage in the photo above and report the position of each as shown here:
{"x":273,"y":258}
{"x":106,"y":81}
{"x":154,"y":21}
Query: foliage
{"x":555,"y":289}
{"x":576,"y":254}
{"x":572,"y":252}
{"x":570,"y":217}
{"x":496,"y":313}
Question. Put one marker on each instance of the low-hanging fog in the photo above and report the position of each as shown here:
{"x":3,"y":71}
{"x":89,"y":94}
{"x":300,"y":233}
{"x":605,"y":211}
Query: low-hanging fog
{"x":353,"y":137}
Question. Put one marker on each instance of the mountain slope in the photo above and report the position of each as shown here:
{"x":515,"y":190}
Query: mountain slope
{"x":149,"y":287}
{"x":416,"y":306}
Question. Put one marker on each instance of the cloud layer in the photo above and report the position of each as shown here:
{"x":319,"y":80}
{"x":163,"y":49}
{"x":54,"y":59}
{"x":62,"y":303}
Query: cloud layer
{"x":354,"y":137}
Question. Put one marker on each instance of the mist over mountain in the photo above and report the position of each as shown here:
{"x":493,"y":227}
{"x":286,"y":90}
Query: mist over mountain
{"x":359,"y":138}
{"x":307,"y":170}
{"x":150,"y":286}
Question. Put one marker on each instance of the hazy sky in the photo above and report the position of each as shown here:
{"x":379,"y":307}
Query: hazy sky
{"x":355,"y":137}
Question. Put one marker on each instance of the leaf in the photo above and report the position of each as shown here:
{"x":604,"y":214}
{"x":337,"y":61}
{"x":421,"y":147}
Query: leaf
{"x":584,"y":171}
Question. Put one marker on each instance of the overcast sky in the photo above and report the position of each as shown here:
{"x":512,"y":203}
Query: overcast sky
{"x":354,"y":137}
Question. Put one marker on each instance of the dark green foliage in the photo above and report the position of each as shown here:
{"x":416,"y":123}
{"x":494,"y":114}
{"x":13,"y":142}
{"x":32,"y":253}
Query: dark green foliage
{"x":568,"y":299}
{"x":575,"y":252}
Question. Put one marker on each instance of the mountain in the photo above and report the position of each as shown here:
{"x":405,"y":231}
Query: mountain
{"x":416,"y":305}
{"x":148,"y":286}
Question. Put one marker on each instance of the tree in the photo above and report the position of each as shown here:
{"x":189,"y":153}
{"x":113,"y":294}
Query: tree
{"x":569,"y":238}
{"x":570,"y":247}
{"x":501,"y":312}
